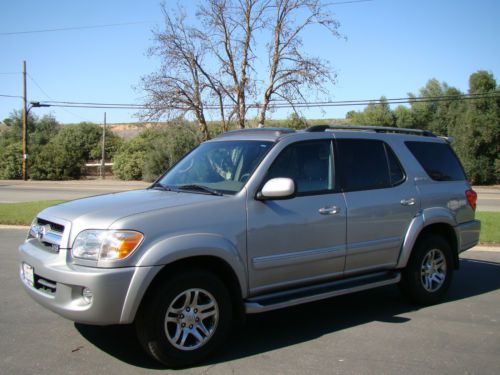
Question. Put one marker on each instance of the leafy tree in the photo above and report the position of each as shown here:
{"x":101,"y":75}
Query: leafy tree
{"x":129,"y":161}
{"x":11,"y":161}
{"x":14,"y":124}
{"x":173,"y":143}
{"x":45,"y":129}
{"x":376,"y":114}
{"x":295,"y":121}
{"x":479,"y":137}
{"x":404,"y":117}
{"x":474,"y":124}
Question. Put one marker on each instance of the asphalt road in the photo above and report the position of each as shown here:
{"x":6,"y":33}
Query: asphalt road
{"x":13,"y":191}
{"x":371,"y":332}
{"x":21,"y":191}
{"x":488,"y":198}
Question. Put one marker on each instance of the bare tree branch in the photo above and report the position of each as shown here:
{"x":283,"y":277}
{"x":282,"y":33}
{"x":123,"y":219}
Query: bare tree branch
{"x":291,"y":73}
{"x":210,"y":64}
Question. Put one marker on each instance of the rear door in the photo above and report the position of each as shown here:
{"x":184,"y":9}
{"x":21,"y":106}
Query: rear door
{"x":380,"y":200}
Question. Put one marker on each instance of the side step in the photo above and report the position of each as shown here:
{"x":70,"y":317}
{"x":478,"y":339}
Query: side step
{"x":278,"y":300}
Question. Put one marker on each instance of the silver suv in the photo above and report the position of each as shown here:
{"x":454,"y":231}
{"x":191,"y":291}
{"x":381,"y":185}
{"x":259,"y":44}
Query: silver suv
{"x":251,"y":221}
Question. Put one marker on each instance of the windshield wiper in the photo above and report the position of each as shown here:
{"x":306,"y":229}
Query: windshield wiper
{"x":159,"y":186}
{"x":201,"y":188}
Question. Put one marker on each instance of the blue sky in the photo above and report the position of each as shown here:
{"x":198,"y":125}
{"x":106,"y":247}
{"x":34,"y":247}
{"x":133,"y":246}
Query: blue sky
{"x":393,"y":47}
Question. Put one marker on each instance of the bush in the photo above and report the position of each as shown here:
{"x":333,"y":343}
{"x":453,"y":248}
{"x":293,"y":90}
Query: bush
{"x":11,"y":158}
{"x":65,"y":153}
{"x":128,"y":166}
{"x":55,"y":161}
{"x":153,"y":151}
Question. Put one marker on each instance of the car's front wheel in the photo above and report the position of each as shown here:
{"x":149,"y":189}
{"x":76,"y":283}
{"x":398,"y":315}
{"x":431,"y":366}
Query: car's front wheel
{"x":185,"y":318}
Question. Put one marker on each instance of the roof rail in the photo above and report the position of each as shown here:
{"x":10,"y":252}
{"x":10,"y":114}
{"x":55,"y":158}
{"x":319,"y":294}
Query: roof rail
{"x":274,"y":131}
{"x":377,"y":129}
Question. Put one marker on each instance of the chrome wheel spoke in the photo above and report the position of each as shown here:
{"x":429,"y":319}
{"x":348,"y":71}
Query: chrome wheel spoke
{"x":178,"y":331}
{"x":197,"y":335}
{"x":185,"y":334}
{"x":171,"y":319}
{"x":192,"y":325}
{"x":433,"y":270}
{"x":207,"y":314}
{"x":203,"y":329}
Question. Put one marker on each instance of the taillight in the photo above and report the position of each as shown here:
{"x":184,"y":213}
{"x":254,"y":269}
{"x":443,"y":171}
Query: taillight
{"x":471,"y":198}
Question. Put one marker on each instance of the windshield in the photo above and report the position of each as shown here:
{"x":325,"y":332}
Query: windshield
{"x":221,"y":167}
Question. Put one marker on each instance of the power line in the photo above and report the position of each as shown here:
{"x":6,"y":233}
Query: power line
{"x":281,"y":104}
{"x":10,"y":96}
{"x":275,"y":104}
{"x":48,"y":96}
{"x":71,"y":28}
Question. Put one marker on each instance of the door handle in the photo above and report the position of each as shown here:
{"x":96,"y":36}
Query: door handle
{"x":408,"y":202}
{"x":329,"y":210}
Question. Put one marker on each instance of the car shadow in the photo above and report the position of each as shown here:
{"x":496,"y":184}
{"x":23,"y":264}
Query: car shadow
{"x":277,"y":329}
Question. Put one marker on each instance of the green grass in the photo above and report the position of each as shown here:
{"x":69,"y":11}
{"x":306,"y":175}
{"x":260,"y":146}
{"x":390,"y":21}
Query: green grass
{"x":22,"y":213}
{"x":490,"y":227}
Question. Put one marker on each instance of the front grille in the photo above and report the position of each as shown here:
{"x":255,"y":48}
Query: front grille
{"x":48,"y":233}
{"x":58,"y":228}
{"x":45,"y":285}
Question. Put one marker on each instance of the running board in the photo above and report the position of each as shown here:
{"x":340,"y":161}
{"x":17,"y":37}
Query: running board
{"x":298,"y":296}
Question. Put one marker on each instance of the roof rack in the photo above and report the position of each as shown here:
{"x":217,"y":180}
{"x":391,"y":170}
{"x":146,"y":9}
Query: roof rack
{"x":274,"y":131}
{"x":377,"y":129}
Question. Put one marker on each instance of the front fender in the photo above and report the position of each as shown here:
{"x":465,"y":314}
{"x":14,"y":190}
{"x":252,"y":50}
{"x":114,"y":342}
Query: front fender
{"x":171,"y":249}
{"x":424,"y":218}
{"x":175,"y":248}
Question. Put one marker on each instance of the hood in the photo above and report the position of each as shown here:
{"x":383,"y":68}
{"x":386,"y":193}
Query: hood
{"x":100,"y":211}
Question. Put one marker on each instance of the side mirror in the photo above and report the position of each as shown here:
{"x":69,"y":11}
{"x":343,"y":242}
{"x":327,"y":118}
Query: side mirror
{"x":277,"y":188}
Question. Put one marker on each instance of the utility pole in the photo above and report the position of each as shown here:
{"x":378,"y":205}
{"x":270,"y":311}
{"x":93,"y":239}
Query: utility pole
{"x":103,"y":154}
{"x":25,"y":126}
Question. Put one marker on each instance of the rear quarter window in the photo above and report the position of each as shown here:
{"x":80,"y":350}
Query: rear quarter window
{"x":438,"y":160}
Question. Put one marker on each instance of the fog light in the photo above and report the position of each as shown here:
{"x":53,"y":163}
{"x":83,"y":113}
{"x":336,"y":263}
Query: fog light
{"x":87,"y":295}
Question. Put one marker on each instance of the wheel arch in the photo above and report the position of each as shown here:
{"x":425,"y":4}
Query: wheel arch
{"x":423,"y":225}
{"x":214,"y":264}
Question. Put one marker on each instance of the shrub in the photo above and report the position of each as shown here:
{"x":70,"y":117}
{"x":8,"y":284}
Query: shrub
{"x":11,"y":161}
{"x":153,"y":151}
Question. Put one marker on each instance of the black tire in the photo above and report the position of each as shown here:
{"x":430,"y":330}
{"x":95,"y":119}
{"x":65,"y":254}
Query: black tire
{"x":156,"y":335}
{"x":416,"y":283}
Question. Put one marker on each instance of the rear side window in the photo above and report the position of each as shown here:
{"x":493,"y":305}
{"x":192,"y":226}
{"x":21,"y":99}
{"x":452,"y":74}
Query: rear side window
{"x":438,"y":160}
{"x":367,"y":164}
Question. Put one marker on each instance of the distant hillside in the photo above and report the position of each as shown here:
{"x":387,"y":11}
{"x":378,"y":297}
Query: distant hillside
{"x":130,"y":130}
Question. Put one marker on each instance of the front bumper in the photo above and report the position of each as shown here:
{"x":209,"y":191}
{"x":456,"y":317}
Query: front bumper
{"x":468,"y":234}
{"x":58,"y":286}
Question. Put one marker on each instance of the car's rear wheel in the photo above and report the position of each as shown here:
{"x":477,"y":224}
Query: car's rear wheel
{"x":185,"y":318}
{"x":429,"y":272}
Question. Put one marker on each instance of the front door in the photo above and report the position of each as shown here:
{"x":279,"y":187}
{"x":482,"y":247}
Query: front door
{"x":301,"y":239}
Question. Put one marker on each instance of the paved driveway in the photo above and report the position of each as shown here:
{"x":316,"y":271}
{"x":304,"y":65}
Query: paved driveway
{"x":371,"y":332}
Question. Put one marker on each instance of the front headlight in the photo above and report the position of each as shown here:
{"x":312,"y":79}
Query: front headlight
{"x":106,"y":244}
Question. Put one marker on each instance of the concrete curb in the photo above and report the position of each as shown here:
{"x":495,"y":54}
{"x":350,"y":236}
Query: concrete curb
{"x":21,"y":227}
{"x":486,"y":248}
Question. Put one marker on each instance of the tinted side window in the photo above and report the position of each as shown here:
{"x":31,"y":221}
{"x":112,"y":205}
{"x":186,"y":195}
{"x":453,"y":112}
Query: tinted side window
{"x":395,"y":170}
{"x":438,"y":160}
{"x":363,"y":165}
{"x":309,"y":164}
